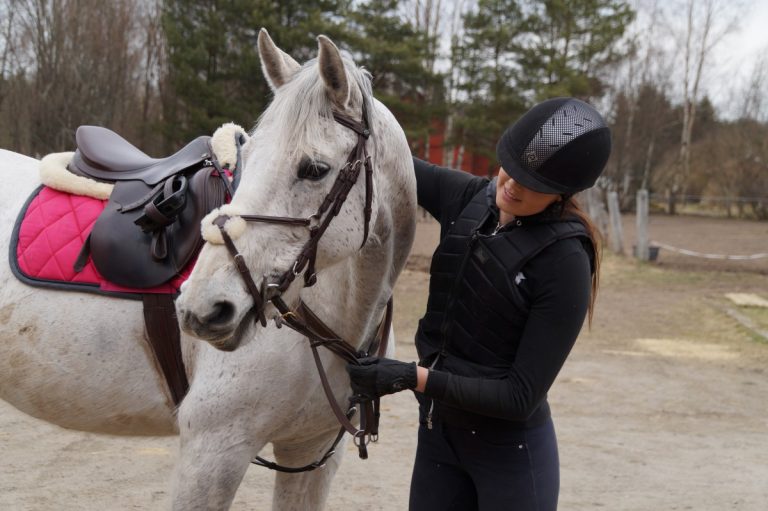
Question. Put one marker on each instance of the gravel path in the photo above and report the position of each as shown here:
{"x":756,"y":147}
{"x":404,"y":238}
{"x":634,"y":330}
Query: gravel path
{"x":661,"y":406}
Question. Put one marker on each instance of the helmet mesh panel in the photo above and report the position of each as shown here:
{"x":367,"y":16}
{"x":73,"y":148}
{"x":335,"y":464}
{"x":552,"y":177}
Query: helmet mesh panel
{"x":566,"y":124}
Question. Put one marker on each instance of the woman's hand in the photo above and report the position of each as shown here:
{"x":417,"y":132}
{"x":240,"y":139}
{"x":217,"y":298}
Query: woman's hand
{"x":375,"y":377}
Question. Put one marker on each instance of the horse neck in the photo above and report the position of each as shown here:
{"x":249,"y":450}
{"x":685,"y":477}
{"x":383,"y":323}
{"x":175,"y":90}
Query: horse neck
{"x":350,"y":296}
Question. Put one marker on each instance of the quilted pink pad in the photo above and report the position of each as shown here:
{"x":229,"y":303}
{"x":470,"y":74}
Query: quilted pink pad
{"x":52,"y":233}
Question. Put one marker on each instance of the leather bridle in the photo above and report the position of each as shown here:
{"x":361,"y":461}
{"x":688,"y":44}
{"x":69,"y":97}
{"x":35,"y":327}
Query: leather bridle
{"x":302,"y":319}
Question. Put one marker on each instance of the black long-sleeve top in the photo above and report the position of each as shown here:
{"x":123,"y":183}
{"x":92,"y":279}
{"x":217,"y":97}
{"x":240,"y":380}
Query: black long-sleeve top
{"x":557,"y":286}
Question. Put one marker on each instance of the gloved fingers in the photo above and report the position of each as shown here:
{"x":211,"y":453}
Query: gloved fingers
{"x":362,"y":379}
{"x":357,"y":372}
{"x":368,"y":361}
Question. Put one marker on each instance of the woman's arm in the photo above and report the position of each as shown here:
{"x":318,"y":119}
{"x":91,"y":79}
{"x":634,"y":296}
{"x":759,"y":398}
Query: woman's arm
{"x":437,"y":187}
{"x":554,"y":322}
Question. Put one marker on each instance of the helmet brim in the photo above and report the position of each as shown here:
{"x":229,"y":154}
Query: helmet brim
{"x":512,"y":168}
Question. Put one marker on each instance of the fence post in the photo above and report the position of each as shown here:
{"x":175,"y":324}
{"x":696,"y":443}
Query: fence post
{"x":642,"y":225}
{"x":617,"y":234}
{"x":595,"y":205}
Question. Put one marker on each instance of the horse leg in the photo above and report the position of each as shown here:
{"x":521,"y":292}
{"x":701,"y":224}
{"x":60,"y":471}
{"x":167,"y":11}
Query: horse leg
{"x":217,"y":443}
{"x":305,"y":490}
{"x":209,"y":470}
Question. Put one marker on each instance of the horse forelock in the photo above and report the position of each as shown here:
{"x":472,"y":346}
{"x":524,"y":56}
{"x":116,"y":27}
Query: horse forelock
{"x":295,"y":122}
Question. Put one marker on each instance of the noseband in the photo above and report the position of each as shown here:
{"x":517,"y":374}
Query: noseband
{"x":317,"y":223}
{"x":303,"y":320}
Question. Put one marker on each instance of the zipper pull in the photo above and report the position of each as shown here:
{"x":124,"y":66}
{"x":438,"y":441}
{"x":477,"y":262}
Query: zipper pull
{"x":432,"y":401}
{"x":429,"y":414}
{"x":496,"y":230}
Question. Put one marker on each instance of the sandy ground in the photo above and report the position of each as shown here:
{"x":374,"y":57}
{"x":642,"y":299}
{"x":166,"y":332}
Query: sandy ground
{"x":663,"y":404}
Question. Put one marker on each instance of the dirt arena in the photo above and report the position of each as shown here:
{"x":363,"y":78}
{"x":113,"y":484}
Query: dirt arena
{"x":663,"y":404}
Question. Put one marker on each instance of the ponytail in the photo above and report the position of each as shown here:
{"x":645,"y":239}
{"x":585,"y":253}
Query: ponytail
{"x":571,"y":207}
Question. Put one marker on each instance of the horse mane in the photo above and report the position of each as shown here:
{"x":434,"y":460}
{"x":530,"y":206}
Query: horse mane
{"x":301,"y":106}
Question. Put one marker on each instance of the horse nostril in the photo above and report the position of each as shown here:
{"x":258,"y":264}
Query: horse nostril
{"x":221,"y":314}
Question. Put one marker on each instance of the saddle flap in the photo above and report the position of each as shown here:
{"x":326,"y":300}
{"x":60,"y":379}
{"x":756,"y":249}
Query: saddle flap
{"x":128,"y":256}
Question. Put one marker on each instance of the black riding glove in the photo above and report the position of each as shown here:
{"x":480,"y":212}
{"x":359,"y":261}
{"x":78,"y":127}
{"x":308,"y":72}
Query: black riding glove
{"x":376,"y":377}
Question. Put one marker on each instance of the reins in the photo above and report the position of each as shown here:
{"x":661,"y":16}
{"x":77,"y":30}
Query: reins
{"x":302,"y":319}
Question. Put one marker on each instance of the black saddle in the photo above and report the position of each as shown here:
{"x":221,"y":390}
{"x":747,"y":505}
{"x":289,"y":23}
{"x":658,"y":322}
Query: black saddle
{"x":106,"y":156}
{"x":150,"y":227}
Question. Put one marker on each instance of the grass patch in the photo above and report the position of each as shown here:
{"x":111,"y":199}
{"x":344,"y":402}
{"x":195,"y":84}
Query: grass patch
{"x":759,"y":317}
{"x":627,"y":270}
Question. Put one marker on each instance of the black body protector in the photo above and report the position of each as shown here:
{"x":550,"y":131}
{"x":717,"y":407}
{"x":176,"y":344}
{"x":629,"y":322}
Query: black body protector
{"x":476,"y":310}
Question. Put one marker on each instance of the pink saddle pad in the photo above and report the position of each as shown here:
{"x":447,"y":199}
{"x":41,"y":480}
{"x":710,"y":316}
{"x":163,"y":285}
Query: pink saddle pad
{"x":49,"y":234}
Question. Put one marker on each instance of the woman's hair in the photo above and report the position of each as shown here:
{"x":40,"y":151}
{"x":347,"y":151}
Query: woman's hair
{"x":571,"y":207}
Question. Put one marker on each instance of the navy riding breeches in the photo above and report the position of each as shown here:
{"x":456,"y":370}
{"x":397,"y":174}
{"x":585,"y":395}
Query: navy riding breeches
{"x":465,"y":470}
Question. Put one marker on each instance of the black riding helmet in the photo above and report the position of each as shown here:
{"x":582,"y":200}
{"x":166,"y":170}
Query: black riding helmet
{"x":559,"y":146}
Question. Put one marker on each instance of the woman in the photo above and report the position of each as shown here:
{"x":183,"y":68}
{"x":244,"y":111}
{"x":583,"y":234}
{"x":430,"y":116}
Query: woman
{"x":511,"y":282}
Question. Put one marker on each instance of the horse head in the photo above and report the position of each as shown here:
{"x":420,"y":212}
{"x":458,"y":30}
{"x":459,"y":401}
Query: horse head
{"x":318,"y":136}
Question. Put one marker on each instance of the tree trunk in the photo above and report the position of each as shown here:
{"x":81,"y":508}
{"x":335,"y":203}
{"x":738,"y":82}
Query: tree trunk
{"x":460,"y":157}
{"x":671,"y":201}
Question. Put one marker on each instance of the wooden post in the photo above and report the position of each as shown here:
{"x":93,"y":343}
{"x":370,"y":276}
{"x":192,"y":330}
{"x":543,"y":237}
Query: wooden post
{"x":617,"y":233}
{"x":642,"y":225}
{"x":596,"y":209}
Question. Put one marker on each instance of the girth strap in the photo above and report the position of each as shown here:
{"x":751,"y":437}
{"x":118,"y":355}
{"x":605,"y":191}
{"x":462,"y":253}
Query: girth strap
{"x":165,"y":340}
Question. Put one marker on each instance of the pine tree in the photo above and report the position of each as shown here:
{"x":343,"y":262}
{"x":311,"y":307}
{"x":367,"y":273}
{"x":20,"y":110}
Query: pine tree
{"x":570,"y":43}
{"x":396,"y":54}
{"x":214,"y":74}
{"x":487,"y":56}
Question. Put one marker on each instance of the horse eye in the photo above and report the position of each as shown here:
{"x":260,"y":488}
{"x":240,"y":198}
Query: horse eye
{"x":313,"y":170}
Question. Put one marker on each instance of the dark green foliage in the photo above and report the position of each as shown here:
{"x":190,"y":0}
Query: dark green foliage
{"x":570,"y":44}
{"x":214,"y":70}
{"x":214,"y":73}
{"x":514,"y":53}
{"x":487,"y":56}
{"x":396,"y":55}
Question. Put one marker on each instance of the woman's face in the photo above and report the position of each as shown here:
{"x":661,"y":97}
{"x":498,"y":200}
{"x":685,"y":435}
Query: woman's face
{"x":514,"y":199}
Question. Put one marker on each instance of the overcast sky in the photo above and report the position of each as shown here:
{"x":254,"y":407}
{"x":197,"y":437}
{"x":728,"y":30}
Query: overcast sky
{"x":738,"y":53}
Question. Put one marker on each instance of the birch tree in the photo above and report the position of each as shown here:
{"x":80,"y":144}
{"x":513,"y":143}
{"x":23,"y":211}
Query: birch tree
{"x":707,"y":23}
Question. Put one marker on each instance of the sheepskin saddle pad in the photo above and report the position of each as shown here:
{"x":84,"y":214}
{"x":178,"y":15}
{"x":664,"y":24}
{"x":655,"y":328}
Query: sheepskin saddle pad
{"x":48,"y":237}
{"x":120,"y":224}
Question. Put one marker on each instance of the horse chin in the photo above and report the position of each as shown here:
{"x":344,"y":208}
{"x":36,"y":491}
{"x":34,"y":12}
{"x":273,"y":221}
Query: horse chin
{"x":233,"y":341}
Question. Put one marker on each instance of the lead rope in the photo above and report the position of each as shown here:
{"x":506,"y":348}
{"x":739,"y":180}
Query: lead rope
{"x":369,"y":410}
{"x":369,"y":416}
{"x":258,"y":460}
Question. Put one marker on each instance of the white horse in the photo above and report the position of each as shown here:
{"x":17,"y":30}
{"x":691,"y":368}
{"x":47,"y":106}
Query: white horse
{"x":79,"y":360}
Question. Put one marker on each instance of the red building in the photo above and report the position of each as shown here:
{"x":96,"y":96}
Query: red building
{"x":472,"y":163}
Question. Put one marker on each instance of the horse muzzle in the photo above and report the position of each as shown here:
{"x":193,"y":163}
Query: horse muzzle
{"x":216,"y":323}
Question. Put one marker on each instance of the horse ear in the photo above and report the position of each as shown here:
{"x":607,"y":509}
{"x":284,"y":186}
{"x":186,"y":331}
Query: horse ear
{"x":333,"y":72}
{"x":278,"y":66}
